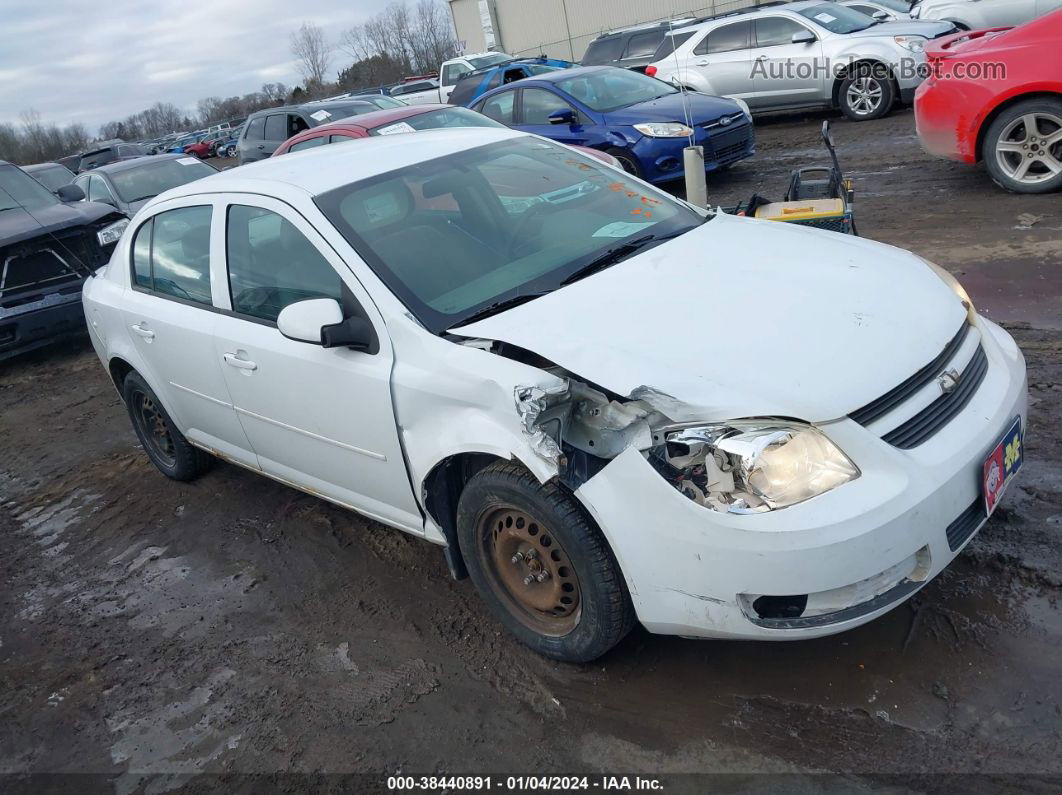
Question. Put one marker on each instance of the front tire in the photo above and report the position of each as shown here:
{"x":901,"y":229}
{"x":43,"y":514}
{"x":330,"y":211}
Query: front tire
{"x":867,"y":92}
{"x":1023,"y":147}
{"x":166,"y":446}
{"x":627,"y":161}
{"x":541,"y":564}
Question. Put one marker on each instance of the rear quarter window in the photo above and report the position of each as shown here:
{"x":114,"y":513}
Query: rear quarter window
{"x":603,"y":51}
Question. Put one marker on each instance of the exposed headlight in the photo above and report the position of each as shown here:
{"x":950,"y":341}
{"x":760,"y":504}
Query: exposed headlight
{"x":664,"y":129}
{"x":953,"y":283}
{"x":751,"y":466}
{"x":112,"y":233}
{"x":912,"y":43}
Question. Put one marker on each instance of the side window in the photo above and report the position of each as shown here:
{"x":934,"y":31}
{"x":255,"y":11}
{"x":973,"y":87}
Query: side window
{"x":98,"y":190}
{"x":495,"y":79}
{"x":500,"y":107}
{"x":142,"y":255}
{"x":296,"y":124}
{"x":180,"y":253}
{"x":604,"y":51}
{"x":642,"y":45}
{"x":276,"y":127}
{"x":309,"y":143}
{"x":452,"y":71}
{"x":775,"y":31}
{"x":272,"y":264}
{"x":337,"y":138}
{"x":539,"y":104}
{"x":256,"y":129}
{"x":725,"y":39}
{"x":83,"y":183}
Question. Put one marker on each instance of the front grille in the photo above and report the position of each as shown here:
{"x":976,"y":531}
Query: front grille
{"x":729,"y":145}
{"x":890,"y":400}
{"x":940,"y":412}
{"x":965,"y":524}
{"x":55,"y":263}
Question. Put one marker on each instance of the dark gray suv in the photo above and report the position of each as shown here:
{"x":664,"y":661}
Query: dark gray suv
{"x":265,"y":130}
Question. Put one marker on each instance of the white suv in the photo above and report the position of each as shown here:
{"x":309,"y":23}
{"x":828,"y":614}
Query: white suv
{"x":806,"y":54}
{"x":606,"y":405}
{"x":977,"y":14}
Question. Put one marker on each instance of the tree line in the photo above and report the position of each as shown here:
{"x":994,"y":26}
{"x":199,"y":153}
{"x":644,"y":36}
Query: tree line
{"x":400,"y":41}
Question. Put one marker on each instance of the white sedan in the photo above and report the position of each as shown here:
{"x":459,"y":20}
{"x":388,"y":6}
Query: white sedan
{"x":605,"y":405}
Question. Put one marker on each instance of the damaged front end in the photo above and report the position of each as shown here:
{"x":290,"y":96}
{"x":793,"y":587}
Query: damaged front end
{"x":744,"y":466}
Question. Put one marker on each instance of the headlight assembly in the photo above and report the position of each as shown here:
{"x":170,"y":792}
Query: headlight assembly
{"x":751,"y":467}
{"x":912,"y":43}
{"x":112,"y":233}
{"x":664,"y":129}
{"x":953,"y":283}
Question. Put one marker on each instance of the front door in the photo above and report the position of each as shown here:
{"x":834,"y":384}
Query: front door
{"x":169,"y":316}
{"x":536,"y":105}
{"x":786,"y":74}
{"x":319,"y":418}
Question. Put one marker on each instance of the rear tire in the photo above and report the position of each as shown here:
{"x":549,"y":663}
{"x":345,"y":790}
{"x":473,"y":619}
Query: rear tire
{"x":627,"y":161}
{"x":1021,"y":159}
{"x":868,"y":92}
{"x":166,"y":446}
{"x":511,"y":527}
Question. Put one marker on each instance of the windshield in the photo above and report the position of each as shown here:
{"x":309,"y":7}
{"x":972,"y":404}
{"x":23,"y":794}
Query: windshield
{"x":488,"y":60}
{"x":454,"y":235}
{"x":612,"y":89}
{"x":54,"y":177}
{"x":449,"y":117}
{"x":386,"y":102}
{"x":837,"y":19}
{"x":156,"y":176}
{"x":19,"y":189}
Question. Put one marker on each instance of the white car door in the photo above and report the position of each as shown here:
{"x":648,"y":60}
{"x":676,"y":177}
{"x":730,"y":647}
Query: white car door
{"x":318,"y":418}
{"x":784,"y":73}
{"x":169,"y":314}
{"x":723,"y":58}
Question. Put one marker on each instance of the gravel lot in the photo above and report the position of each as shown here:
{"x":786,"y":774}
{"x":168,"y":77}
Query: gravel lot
{"x":234,"y":625}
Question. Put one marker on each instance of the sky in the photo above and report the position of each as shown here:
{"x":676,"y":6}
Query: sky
{"x":76,"y":61}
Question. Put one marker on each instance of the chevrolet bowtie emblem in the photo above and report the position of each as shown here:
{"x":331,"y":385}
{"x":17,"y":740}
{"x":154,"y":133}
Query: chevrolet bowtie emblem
{"x":949,"y":381}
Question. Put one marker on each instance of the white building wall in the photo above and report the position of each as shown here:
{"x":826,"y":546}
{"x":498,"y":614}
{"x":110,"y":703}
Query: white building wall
{"x":564,"y":28}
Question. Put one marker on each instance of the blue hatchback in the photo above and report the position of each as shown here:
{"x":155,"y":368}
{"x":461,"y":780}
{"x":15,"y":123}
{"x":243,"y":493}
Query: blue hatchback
{"x":643,"y":122}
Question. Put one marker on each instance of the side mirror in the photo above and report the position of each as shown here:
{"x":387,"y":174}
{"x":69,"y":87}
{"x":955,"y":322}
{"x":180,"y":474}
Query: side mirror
{"x":882,"y":16}
{"x":305,"y":321}
{"x":70,"y":193}
{"x":804,"y":37}
{"x":353,"y":332}
{"x":565,"y":116}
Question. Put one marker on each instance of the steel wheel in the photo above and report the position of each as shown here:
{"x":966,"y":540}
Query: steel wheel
{"x":1029,"y":150}
{"x":152,"y":423}
{"x":528,"y":570}
{"x":864,"y":95}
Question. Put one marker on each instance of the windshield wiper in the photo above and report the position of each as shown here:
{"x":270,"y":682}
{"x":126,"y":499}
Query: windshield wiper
{"x":611,"y":256}
{"x":500,"y":306}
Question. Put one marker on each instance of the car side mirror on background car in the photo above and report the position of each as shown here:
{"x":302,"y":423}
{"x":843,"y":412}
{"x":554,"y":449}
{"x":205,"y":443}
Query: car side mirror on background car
{"x":565,"y":116}
{"x":320,"y":321}
{"x":70,"y":193}
{"x":881,"y":16}
{"x":804,"y":37}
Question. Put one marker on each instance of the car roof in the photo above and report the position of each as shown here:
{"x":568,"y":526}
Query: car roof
{"x":131,"y":163}
{"x":325,"y":168}
{"x":763,"y":9}
{"x":41,"y":166}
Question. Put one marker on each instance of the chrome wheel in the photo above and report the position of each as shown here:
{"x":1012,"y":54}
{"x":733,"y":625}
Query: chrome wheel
{"x":1029,"y":150}
{"x":864,"y":95}
{"x":528,"y":570}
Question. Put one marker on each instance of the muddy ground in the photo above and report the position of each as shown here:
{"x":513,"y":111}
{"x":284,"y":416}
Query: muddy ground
{"x":234,"y":625}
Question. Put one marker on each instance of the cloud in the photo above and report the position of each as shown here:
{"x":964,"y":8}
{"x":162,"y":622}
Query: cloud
{"x":78,"y":62}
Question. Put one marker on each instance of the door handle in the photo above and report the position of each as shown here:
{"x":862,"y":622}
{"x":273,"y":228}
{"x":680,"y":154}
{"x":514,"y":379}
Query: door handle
{"x":261,"y":146}
{"x":143,"y":331}
{"x":703,"y":62}
{"x":240,"y":364}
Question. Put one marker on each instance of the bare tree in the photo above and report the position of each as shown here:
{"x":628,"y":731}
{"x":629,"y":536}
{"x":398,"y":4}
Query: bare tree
{"x":313,"y":54}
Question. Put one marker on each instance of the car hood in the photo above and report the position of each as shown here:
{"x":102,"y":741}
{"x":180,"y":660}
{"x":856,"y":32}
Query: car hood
{"x":744,"y":318}
{"x":17,"y":224}
{"x":671,"y":107}
{"x":931,"y":29}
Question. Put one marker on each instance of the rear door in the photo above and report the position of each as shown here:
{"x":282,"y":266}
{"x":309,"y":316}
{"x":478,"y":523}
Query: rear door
{"x":785,"y":74}
{"x":252,"y":146}
{"x":319,"y":418}
{"x":723,"y":58}
{"x":170,"y":315}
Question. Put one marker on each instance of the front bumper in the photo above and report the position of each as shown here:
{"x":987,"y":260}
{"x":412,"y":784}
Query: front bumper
{"x":661,"y":158}
{"x":33,"y":325}
{"x":858,"y":551}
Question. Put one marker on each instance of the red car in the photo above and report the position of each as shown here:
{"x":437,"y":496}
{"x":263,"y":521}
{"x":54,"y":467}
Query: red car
{"x":402,"y":120}
{"x":996,"y":95}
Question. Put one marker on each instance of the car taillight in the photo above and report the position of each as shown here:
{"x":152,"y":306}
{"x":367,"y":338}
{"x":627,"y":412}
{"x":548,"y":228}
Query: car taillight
{"x":651,"y":71}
